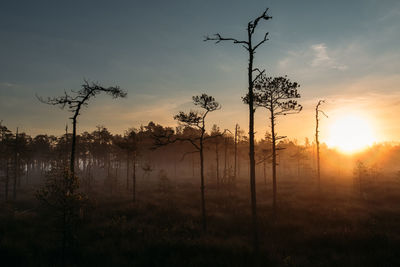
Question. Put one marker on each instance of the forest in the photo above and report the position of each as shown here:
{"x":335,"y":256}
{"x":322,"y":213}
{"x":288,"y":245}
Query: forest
{"x":135,"y":201}
{"x":197,"y":193}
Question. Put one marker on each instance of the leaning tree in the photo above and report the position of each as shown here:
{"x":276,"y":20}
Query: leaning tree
{"x":196,"y":120}
{"x":277,"y":95}
{"x":76,"y":101}
{"x":251,"y":48}
{"x":60,"y":194}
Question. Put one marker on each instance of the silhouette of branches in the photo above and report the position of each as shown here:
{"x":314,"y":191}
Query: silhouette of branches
{"x":80,"y":98}
{"x":251,"y":26}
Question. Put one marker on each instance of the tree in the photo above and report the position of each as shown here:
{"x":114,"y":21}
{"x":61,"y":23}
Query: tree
{"x":13,"y":156}
{"x":215,"y":131}
{"x":42,"y":151}
{"x":241,"y":152}
{"x":360,"y":171}
{"x":75,"y":103}
{"x":237,"y":128}
{"x":65,"y":206}
{"x":101,"y":147}
{"x":5,"y":156}
{"x":226,"y":174}
{"x":16,"y":166}
{"x":278,"y":96}
{"x":317,"y":111}
{"x":129,"y":144}
{"x":300,"y":155}
{"x":265,"y":154}
{"x":251,"y":49}
{"x":197,"y":121}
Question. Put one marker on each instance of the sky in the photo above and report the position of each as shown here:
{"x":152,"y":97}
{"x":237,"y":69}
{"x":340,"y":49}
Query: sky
{"x":346,"y":52}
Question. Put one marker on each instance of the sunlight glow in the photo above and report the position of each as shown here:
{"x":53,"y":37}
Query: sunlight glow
{"x":350,"y":134}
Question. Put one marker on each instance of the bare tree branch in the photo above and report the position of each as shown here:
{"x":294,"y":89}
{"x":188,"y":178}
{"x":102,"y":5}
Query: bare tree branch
{"x":258,"y":75}
{"x":261,"y":42}
{"x":218,"y":38}
{"x":253,"y":24}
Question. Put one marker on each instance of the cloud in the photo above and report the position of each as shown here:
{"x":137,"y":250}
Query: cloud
{"x":322,"y":59}
{"x":316,"y":57}
{"x":321,"y":56}
{"x":393,"y":13}
{"x":7,"y":85}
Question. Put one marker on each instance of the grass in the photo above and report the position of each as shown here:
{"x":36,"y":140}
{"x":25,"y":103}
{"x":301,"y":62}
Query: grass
{"x":339,"y":227}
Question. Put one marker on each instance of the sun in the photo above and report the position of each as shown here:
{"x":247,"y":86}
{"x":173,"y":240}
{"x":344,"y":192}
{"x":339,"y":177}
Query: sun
{"x":350,"y":134}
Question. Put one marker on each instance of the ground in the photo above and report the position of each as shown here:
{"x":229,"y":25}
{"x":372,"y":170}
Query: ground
{"x":337,"y":226}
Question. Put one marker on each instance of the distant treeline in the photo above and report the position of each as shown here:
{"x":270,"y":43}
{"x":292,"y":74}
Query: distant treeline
{"x":23,"y":156}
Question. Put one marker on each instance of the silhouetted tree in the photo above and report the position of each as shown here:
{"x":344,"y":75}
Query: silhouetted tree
{"x":317,"y":111}
{"x":129,"y":145}
{"x":215,"y":131}
{"x":235,"y":155}
{"x":242,"y":149}
{"x":75,"y":102}
{"x":16,"y":166}
{"x":42,"y":151}
{"x":359,"y":172}
{"x":225,"y":173}
{"x":5,"y":156}
{"x":13,"y":149}
{"x":57,"y":196}
{"x":300,"y":155}
{"x":84,"y":151}
{"x":265,"y":153}
{"x":278,"y":96}
{"x":196,"y":120}
{"x":251,"y":49}
{"x":61,"y":192}
{"x":101,"y":147}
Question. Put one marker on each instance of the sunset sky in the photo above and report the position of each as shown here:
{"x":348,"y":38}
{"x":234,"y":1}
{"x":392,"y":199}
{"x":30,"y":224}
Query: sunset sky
{"x":346,"y":52}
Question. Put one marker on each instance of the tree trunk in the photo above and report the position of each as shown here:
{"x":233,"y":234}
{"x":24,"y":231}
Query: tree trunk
{"x":238,"y":165}
{"x":226,"y":176}
{"x":251,"y":144}
{"x":64,"y":236}
{"x":7,"y":179}
{"x":27,"y":172}
{"x":265,"y":170}
{"x":217,"y":161}
{"x":203,"y":202}
{"x":134,"y":178}
{"x":235,"y":160}
{"x":317,"y":143}
{"x":15,"y":167}
{"x":72,"y":159}
{"x":108,"y":165}
{"x":273,"y":161}
{"x":116,"y":164}
{"x":127,"y":171}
